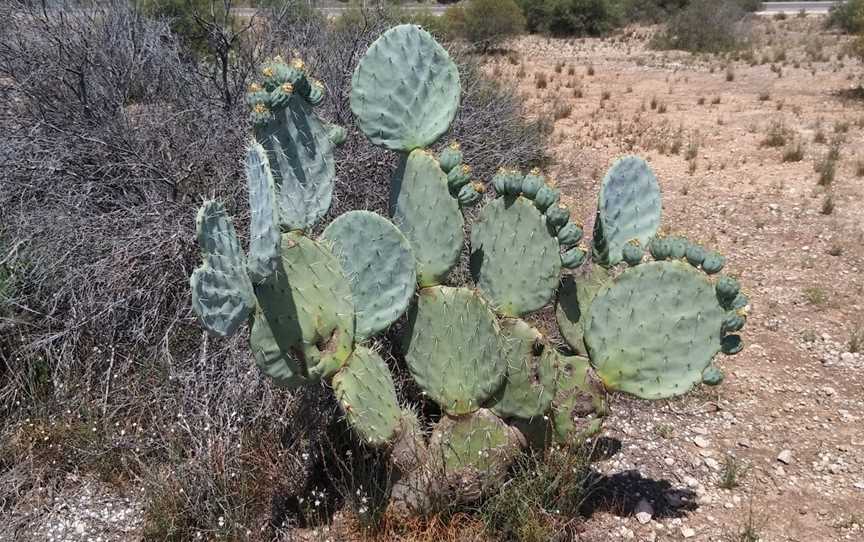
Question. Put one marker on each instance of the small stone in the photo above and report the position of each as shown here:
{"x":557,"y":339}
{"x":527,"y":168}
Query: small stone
{"x":644,"y":511}
{"x":687,"y":532}
{"x":858,"y":485}
{"x":669,"y":461}
{"x":702,"y":442}
{"x":828,"y":390}
{"x":785,"y":457}
{"x":847,"y":357}
{"x":712,"y":463}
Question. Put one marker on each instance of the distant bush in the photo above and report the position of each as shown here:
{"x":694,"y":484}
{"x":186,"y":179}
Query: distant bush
{"x":706,"y":26}
{"x":572,"y":17}
{"x":654,"y":11}
{"x":847,"y":16}
{"x":486,"y":23}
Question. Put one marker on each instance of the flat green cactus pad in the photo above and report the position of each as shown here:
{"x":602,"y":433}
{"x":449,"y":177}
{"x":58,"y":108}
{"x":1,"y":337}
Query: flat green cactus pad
{"x":365,"y":391}
{"x":514,"y":260}
{"x":300,"y":153}
{"x":478,"y":443}
{"x":654,"y":329}
{"x":427,"y":214}
{"x":264,"y":224}
{"x":531,"y":372}
{"x":304,"y":328}
{"x":580,"y":401}
{"x":405,"y":90}
{"x":222,"y":294}
{"x":379,"y":263}
{"x":574,"y":301}
{"x":453,"y":348}
{"x":629,"y":208}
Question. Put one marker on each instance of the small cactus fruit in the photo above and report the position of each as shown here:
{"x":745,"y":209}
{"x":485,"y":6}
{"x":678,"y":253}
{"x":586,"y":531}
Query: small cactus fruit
{"x":458,"y":177}
{"x":654,"y":329}
{"x":570,"y":235}
{"x":450,"y":157}
{"x":405,"y":90}
{"x":580,"y":401}
{"x":557,"y":217}
{"x":304,"y":327}
{"x":632,"y":253}
{"x":546,"y":197}
{"x":629,"y":207}
{"x":734,"y":322}
{"x":574,"y":302}
{"x":474,"y":452}
{"x":427,"y":214}
{"x":222,"y":294}
{"x":379,"y":264}
{"x":532,"y":183}
{"x":573,"y":258}
{"x":695,"y":255}
{"x":300,"y":152}
{"x":531,"y":372}
{"x":453,"y":348}
{"x":514,"y":260}
{"x":365,"y":391}
{"x":264,"y":224}
{"x":469,"y":195}
{"x":732,"y":345}
{"x":677,"y":247}
{"x":713,"y":263}
{"x":507,"y":182}
{"x":660,"y":249}
{"x":337,"y":134}
{"x":727,"y":290}
{"x":713,"y":376}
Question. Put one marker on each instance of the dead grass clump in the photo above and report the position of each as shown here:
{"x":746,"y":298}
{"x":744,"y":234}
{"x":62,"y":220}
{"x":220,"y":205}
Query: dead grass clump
{"x":777,"y":134}
{"x":540,"y":80}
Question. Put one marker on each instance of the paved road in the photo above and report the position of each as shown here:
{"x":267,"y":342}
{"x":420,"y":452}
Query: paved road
{"x":794,"y":7}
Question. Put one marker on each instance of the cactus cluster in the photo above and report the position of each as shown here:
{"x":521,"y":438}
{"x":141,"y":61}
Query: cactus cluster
{"x":316,"y":305}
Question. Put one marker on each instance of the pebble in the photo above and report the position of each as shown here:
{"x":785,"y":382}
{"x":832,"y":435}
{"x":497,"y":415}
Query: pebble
{"x":687,"y":532}
{"x":702,"y":442}
{"x":785,"y":457}
{"x":847,"y":357}
{"x":644,"y":511}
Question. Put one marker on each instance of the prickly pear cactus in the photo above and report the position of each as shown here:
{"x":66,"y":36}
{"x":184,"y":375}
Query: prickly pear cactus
{"x":647,"y":328}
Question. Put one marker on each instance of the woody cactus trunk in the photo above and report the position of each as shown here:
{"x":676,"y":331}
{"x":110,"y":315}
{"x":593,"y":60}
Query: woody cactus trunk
{"x":642,"y":314}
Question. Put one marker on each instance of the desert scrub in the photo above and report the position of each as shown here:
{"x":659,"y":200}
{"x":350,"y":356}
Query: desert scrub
{"x":706,"y":26}
{"x":777,"y":134}
{"x":794,"y":152}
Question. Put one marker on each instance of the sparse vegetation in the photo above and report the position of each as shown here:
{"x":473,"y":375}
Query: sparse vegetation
{"x":778,"y":134}
{"x":815,"y":295}
{"x":732,"y":473}
{"x":794,"y":152}
{"x":706,"y":26}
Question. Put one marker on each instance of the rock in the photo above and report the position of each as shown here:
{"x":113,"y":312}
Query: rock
{"x":687,"y":532}
{"x":785,"y":457}
{"x":828,"y":390}
{"x":644,"y":511}
{"x":858,"y":485}
{"x":847,"y":357}
{"x":702,"y":442}
{"x":712,"y":463}
{"x":670,"y":461}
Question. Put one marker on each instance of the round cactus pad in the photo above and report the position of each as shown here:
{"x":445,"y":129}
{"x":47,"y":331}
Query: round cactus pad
{"x":629,"y":209}
{"x":405,"y":90}
{"x":654,"y":329}
{"x":531,"y":372}
{"x":453,"y":348}
{"x":365,"y":391}
{"x":514,"y":260}
{"x":427,"y":214}
{"x":379,"y":264}
{"x":580,"y":400}
{"x":480,"y":442}
{"x":306,"y":322}
{"x":222,"y":294}
{"x":264,"y":224}
{"x":300,"y":153}
{"x":575,"y":295}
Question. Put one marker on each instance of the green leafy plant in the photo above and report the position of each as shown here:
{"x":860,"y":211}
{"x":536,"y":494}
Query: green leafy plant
{"x":641,"y":314}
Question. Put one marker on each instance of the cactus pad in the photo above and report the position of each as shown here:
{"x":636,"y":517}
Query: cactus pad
{"x":580,"y":401}
{"x":514,"y":260}
{"x":304,"y":328}
{"x":629,"y":208}
{"x":300,"y":153}
{"x":405,"y":90}
{"x":477,"y":448}
{"x":531,"y":372}
{"x":427,"y":214}
{"x":574,"y":299}
{"x":379,"y":264}
{"x":365,"y":391}
{"x":453,"y":348}
{"x":222,"y":294}
{"x":654,"y":329}
{"x":264,"y":225}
